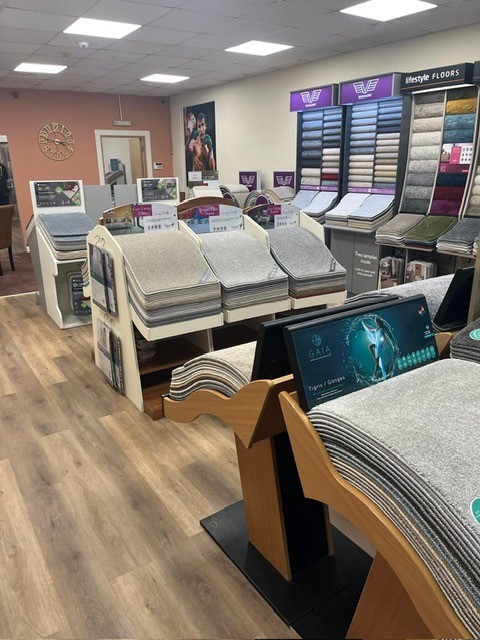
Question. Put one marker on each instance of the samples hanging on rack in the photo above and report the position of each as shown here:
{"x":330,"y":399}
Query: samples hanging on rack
{"x":319,"y":144}
{"x":102,"y":279}
{"x":110,"y":361}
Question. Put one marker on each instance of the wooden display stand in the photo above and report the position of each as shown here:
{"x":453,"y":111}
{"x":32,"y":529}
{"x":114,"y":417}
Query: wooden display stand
{"x":291,"y":534}
{"x":401,"y":598}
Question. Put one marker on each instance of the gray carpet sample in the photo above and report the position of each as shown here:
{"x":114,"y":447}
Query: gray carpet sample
{"x":390,"y":447}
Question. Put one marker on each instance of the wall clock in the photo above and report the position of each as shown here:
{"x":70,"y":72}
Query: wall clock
{"x":56,"y":141}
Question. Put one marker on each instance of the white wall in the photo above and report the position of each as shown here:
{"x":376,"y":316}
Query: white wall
{"x":254,"y":127}
{"x":117,"y":148}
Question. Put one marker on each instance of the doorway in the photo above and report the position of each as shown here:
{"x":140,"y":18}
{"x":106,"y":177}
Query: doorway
{"x":123,"y":156}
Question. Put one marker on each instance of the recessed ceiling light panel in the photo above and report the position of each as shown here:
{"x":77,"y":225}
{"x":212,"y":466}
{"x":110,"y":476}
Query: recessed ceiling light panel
{"x":31,"y":67}
{"x":382,"y":10}
{"x":257,"y":48}
{"x":101,"y":28}
{"x":162,"y":77}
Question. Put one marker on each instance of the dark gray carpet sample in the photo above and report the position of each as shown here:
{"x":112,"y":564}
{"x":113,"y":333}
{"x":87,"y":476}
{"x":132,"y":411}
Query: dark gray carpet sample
{"x":381,"y":440}
{"x":461,"y":237}
{"x":311,"y":268}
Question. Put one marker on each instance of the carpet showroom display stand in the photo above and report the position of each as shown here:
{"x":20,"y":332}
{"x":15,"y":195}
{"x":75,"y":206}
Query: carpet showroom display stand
{"x":431,"y":186}
{"x":51,"y":273}
{"x":377,"y":120}
{"x":146,"y":383}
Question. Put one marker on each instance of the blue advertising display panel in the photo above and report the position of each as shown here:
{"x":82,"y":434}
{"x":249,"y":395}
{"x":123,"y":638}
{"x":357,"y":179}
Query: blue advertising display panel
{"x":340,"y":355}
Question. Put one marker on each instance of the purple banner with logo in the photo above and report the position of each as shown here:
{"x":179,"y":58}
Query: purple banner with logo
{"x":250,"y":179}
{"x":369,"y":88}
{"x":315,"y":98}
{"x":284,"y":179}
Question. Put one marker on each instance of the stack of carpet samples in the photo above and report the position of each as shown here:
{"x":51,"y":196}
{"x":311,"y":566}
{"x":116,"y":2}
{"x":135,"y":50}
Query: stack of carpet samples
{"x":434,"y":290}
{"x":168,"y":278}
{"x":395,"y":230}
{"x":311,"y":268}
{"x":246,"y":270}
{"x":66,"y":233}
{"x":361,"y":211}
{"x":424,"y":234}
{"x":315,"y":203}
{"x":466,"y":344}
{"x":383,"y":447}
{"x":224,"y":370}
{"x":461,"y":237}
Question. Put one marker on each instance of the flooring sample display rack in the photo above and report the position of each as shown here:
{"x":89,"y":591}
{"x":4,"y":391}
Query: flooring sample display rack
{"x":320,"y":127}
{"x":51,"y":273}
{"x":443,"y":157}
{"x":374,"y":156}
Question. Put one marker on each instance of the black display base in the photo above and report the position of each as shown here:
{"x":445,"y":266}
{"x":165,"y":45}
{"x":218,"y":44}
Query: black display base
{"x":320,"y":600}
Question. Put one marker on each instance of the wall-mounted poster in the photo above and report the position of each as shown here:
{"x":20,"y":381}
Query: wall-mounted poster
{"x":200,"y":140}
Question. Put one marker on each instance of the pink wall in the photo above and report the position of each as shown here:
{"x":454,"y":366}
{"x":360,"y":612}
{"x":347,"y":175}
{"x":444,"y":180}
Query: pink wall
{"x":22,"y":118}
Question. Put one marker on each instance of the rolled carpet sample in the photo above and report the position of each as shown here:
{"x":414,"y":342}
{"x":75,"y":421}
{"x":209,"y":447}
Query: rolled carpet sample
{"x":223,"y":370}
{"x":310,"y":181}
{"x":311,"y":173}
{"x":422,"y":125}
{"x":421,"y":193}
{"x":388,"y":452}
{"x":421,"y":179}
{"x":430,"y":98}
{"x":424,"y":153}
{"x":239,"y":191}
{"x":422,"y":166}
{"x":313,"y":115}
{"x":426,"y":139}
{"x":413,"y":205}
{"x":312,"y":135}
{"x":465,"y":121}
{"x":312,"y":144}
{"x":421,"y":111}
{"x":458,"y":135}
{"x":445,"y":207}
{"x":451,"y":180}
{"x":312,"y":125}
{"x":465,"y":105}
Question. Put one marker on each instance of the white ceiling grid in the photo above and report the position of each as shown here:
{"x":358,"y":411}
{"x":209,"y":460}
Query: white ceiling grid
{"x":188,"y":37}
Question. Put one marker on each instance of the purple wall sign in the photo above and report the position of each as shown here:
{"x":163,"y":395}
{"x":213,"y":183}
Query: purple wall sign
{"x":369,"y":88}
{"x":284,"y":179}
{"x":250,"y":179}
{"x":315,"y":98}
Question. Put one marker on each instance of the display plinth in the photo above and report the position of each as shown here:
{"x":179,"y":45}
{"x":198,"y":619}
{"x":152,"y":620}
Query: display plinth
{"x":336,"y":297}
{"x":327,"y":579}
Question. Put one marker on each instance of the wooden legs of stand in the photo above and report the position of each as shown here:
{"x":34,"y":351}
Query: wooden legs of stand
{"x":262,"y":503}
{"x":385,"y":609}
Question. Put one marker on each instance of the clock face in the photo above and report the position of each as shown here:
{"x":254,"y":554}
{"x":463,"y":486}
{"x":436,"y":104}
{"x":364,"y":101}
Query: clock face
{"x":56,"y":141}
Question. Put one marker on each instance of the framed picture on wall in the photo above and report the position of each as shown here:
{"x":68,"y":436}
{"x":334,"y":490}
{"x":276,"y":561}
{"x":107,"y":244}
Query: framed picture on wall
{"x":200,"y":137}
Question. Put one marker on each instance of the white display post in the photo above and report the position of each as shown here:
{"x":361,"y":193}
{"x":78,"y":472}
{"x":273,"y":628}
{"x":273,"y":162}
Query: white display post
{"x":56,"y":196}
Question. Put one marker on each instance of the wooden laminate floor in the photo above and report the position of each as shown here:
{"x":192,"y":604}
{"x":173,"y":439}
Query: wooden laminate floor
{"x":100,"y":506}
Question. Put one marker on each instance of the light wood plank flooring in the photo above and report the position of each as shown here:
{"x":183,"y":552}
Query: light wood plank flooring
{"x":99,"y":506}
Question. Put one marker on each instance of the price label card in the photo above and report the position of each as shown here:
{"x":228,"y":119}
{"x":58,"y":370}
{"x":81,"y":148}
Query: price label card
{"x":163,"y":218}
{"x":227,"y":220}
{"x":287,"y":217}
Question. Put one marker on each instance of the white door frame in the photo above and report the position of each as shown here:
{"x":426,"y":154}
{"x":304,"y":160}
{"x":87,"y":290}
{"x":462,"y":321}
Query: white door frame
{"x":115,"y":133}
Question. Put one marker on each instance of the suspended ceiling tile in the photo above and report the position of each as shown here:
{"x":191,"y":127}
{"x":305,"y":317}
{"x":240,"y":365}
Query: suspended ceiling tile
{"x":246,"y":29}
{"x":71,"y":40}
{"x":33,"y":20}
{"x":120,"y":56}
{"x":62,"y":53}
{"x":214,"y":42}
{"x":435,"y":20}
{"x":231,"y":8}
{"x":161,"y":36}
{"x":85,"y":72}
{"x":163,"y":3}
{"x":17,"y":47}
{"x":30,"y":36}
{"x":121,"y":11}
{"x":194,"y":21}
{"x":60,"y":7}
{"x":106,"y":65}
{"x":286,"y":13}
{"x":189,"y":71}
{"x":164,"y":61}
{"x":145,"y":48}
{"x":468,"y":6}
{"x":184,"y":51}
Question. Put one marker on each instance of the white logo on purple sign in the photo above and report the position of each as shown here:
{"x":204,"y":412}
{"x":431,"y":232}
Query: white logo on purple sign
{"x":310,"y":97}
{"x":362,"y":88}
{"x":284,"y":181}
{"x":248,"y":180}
